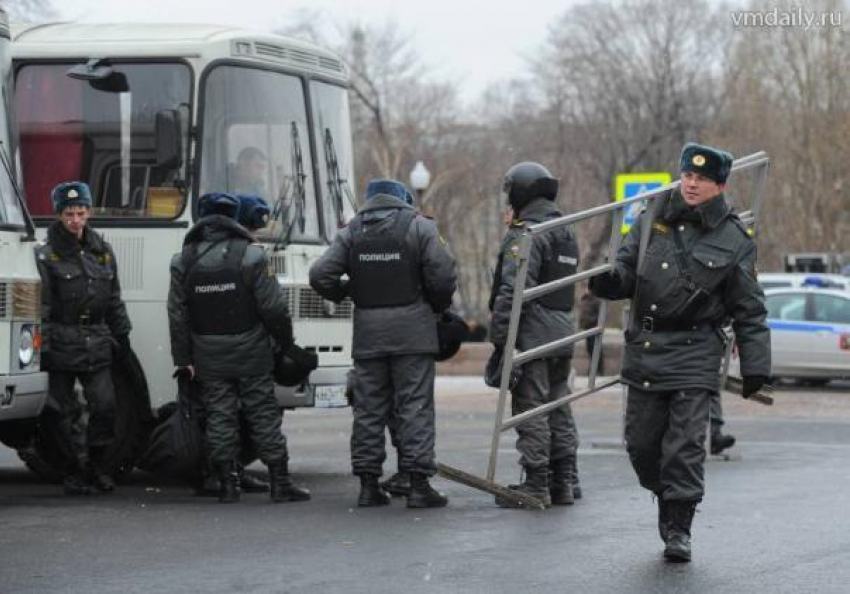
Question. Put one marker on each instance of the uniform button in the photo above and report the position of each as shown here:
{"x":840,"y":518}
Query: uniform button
{"x":694,"y":327}
{"x":665,"y":265}
{"x":645,"y":384}
{"x":647,"y":344}
{"x":653,"y":307}
{"x":711,"y":264}
{"x":689,"y":341}
{"x":681,"y":227}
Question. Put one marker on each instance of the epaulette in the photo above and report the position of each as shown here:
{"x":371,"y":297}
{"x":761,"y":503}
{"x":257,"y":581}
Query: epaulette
{"x":518,"y":223}
{"x":744,"y":228}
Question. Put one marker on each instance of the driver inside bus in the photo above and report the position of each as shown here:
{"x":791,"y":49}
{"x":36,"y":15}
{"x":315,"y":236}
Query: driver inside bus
{"x":249,"y":173}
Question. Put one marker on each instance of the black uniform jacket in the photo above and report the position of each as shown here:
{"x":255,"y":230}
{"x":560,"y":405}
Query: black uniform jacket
{"x":81,"y":306}
{"x":676,"y":341}
{"x":228,"y":356}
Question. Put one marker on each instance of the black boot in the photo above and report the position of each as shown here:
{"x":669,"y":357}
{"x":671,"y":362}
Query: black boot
{"x":371,"y":494}
{"x":100,"y":479}
{"x":681,"y":514}
{"x":422,"y":494}
{"x":282,"y":489}
{"x":536,"y":484}
{"x":251,"y":483}
{"x":663,"y":518}
{"x":228,"y":478}
{"x":397,"y":485}
{"x":78,"y":481}
{"x":720,"y":442}
{"x":561,"y":483}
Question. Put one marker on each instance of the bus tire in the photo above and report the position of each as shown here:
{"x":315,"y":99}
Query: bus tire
{"x":17,"y":433}
{"x":51,"y":460}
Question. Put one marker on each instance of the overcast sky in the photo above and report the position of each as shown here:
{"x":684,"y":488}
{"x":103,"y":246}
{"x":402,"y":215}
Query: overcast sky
{"x":471,"y":41}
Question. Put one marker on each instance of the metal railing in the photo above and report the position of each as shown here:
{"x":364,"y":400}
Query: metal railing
{"x":513,"y":358}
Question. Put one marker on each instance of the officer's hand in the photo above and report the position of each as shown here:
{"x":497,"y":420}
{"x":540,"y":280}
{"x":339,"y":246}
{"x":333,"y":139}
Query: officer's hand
{"x":123,"y":350}
{"x":604,"y":284}
{"x":752,"y":384}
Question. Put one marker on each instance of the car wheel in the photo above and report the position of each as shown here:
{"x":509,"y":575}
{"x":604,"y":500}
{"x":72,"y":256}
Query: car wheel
{"x":51,"y":460}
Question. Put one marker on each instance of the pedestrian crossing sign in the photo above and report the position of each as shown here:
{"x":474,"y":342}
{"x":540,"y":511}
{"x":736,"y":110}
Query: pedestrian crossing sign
{"x":628,"y":185}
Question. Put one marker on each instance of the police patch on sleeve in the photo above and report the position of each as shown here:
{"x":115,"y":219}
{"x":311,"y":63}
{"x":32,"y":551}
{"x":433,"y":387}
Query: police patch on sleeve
{"x":513,"y":251}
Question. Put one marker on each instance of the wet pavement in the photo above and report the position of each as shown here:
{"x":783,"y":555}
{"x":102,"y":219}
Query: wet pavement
{"x":775,"y":517}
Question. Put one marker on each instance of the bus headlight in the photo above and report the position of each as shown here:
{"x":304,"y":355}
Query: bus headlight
{"x":26,"y":347}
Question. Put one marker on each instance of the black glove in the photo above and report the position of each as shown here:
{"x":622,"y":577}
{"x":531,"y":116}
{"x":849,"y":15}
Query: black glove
{"x":122,"y":348}
{"x":752,"y":384}
{"x":604,"y":284}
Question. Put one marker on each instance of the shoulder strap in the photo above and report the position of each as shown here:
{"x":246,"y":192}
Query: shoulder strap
{"x":402,"y":223}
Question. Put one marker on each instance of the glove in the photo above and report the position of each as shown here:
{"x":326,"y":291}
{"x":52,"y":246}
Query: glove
{"x":123,"y":348}
{"x":752,"y":384}
{"x":604,"y":284}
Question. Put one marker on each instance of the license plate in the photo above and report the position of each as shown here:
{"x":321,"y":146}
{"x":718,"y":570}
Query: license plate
{"x":329,"y":396}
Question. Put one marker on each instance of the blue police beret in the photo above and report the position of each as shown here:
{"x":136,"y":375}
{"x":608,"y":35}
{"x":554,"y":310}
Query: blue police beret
{"x":253,"y":211}
{"x":75,"y":193}
{"x":715,"y":164}
{"x":218,"y":203}
{"x":389,"y":187}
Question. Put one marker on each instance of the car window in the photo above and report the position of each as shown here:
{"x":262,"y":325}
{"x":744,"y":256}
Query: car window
{"x":829,"y":308}
{"x":787,"y":306}
{"x":775,"y":284}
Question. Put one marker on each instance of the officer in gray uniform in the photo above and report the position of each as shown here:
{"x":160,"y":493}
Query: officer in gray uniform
{"x":400,"y":275}
{"x":547,"y":442}
{"x":224,"y":308}
{"x":84,"y":326}
{"x":697,"y":273}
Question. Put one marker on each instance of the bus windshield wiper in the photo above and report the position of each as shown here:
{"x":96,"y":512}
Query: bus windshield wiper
{"x":292,"y":198}
{"x":337,"y":185}
{"x":7,"y":166}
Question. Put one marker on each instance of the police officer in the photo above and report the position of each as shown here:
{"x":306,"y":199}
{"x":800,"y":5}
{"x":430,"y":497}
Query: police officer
{"x":698,"y":271}
{"x":547,"y":442}
{"x":224,"y":308}
{"x":400,"y":274}
{"x":84,"y":326}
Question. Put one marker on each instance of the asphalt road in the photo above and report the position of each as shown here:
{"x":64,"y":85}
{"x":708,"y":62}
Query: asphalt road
{"x":775,"y":517}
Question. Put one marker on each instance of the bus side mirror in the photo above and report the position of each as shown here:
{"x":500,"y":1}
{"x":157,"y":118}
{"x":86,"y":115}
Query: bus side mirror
{"x":168,"y":146}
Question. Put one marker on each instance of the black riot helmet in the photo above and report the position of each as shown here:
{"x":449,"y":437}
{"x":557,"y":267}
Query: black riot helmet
{"x":526,"y":181}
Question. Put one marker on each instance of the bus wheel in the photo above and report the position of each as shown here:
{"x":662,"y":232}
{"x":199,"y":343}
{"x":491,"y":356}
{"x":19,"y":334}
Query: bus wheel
{"x":51,"y":460}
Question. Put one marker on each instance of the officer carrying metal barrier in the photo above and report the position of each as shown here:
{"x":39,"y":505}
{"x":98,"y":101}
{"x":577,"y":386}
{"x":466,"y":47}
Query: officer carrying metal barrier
{"x":224,"y":309}
{"x":547,"y":444}
{"x":400,"y":276}
{"x":693,"y":273}
{"x":84,"y":326}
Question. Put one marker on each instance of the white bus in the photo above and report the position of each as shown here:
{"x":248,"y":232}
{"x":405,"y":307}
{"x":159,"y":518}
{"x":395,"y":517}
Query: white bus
{"x":154,"y":116}
{"x":22,"y":386}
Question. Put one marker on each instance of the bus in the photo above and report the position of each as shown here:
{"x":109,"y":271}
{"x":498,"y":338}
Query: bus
{"x":23,"y":387}
{"x":152,"y":116}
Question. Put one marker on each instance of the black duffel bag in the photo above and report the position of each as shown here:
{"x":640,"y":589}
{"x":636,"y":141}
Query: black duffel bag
{"x":176,"y":448}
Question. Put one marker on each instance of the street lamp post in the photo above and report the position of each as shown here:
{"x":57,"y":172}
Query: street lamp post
{"x":420,"y":177}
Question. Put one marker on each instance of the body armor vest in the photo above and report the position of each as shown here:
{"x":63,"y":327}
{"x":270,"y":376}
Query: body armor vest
{"x":219,"y":299}
{"x":563,"y":262}
{"x":384,"y":272}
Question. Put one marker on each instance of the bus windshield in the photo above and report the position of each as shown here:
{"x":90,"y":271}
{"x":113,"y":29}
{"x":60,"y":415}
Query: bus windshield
{"x":255,"y":140}
{"x":105,"y":130}
{"x":333,"y":142}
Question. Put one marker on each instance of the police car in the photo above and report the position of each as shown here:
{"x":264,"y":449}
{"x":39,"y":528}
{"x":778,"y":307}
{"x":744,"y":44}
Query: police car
{"x":809,"y":333}
{"x":777,"y":280}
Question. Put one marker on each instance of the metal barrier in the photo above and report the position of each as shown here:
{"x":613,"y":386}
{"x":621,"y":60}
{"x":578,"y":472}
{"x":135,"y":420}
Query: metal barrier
{"x":513,"y":358}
